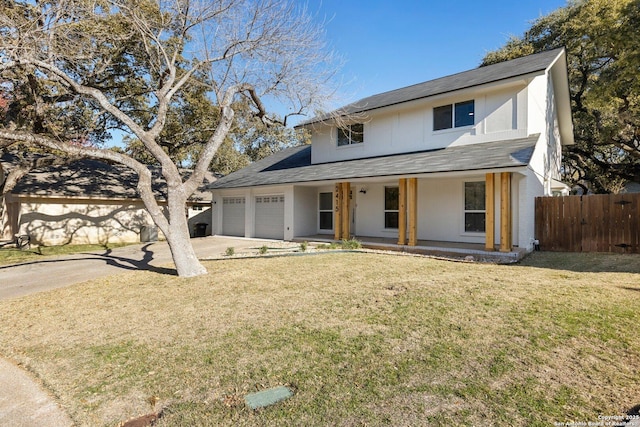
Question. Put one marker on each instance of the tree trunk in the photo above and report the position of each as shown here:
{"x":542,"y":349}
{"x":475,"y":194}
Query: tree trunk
{"x":184,"y":256}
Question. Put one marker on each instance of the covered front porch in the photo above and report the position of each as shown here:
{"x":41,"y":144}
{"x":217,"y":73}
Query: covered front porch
{"x":466,"y":214}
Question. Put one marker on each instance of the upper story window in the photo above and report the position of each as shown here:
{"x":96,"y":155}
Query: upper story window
{"x":351,"y":134}
{"x":454,"y":115}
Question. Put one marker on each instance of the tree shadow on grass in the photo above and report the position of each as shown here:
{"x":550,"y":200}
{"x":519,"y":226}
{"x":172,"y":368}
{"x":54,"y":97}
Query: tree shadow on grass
{"x":121,"y":262}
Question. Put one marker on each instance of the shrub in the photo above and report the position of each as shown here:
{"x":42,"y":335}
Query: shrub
{"x":303,"y":246}
{"x":230,"y":251}
{"x":351,"y":244}
{"x":263,"y":250}
{"x":344,"y":244}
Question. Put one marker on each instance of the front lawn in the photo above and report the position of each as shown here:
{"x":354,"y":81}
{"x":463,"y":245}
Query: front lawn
{"x":12,"y":255}
{"x":362,"y":339}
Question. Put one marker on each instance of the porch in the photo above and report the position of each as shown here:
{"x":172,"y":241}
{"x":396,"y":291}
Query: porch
{"x":426,"y":247}
{"x":482,"y":210}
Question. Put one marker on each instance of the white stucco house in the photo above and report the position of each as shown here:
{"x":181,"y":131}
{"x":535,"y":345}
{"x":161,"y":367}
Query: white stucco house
{"x":459,"y":159}
{"x":89,"y":201}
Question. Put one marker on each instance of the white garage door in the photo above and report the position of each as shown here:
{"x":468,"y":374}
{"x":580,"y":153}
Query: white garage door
{"x":270,"y":217}
{"x":233,"y":216}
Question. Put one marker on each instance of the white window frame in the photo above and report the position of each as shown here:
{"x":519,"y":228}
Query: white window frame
{"x":397,"y":211}
{"x":320,"y":211}
{"x":452,"y":124}
{"x":350,"y":136}
{"x":465,"y":211}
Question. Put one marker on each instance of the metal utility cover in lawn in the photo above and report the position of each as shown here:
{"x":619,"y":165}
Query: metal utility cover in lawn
{"x":268,"y":397}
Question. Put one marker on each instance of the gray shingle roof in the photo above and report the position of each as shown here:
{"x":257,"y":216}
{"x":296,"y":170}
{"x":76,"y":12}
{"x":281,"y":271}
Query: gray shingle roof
{"x":94,"y":179}
{"x":476,"y":77}
{"x":293,"y":165}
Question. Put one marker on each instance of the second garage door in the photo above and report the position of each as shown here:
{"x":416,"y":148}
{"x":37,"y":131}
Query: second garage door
{"x":270,"y":217}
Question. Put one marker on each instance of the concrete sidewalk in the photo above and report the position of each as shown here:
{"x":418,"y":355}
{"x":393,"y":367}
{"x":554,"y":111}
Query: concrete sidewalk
{"x":23,"y":402}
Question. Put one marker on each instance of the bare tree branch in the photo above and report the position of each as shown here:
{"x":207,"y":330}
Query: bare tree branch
{"x":128,"y":60}
{"x":74,"y":151}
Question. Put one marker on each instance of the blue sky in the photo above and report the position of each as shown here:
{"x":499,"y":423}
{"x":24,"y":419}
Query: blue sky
{"x":391,"y":44}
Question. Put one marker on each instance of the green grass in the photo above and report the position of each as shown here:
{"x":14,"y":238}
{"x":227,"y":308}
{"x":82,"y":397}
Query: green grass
{"x":15,"y":256}
{"x":362,"y":339}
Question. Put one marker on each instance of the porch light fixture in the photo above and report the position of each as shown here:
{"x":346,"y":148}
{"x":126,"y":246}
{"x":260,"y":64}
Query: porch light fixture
{"x":363,"y":190}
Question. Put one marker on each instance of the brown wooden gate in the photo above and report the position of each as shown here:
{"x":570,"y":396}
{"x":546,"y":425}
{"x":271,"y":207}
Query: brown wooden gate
{"x":593,"y":223}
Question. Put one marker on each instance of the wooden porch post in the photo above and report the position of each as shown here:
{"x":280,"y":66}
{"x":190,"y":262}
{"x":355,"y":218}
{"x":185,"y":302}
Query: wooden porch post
{"x":337,"y":226}
{"x":402,"y":211}
{"x":346,"y":195}
{"x":490,"y":214}
{"x":412,"y":207}
{"x":505,"y":212}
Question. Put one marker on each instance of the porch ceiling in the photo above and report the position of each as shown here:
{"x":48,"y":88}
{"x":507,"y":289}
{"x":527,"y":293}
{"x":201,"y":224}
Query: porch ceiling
{"x":294,"y":165}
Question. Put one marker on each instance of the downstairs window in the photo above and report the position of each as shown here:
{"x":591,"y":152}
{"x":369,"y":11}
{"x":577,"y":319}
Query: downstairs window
{"x":391,"y":203}
{"x":325,"y":211}
{"x":474,"y":207}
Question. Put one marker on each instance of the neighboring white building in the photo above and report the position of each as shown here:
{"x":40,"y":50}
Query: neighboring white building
{"x":89,"y":201}
{"x":456,"y":159}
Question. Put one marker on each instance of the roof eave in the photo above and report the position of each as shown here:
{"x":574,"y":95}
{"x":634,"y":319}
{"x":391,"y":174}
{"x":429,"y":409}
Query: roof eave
{"x":498,"y":154}
{"x":361,"y":179}
{"x":560,"y":77}
{"x":338,"y":114}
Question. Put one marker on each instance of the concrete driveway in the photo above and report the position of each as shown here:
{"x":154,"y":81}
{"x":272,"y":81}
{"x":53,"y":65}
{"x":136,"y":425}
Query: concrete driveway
{"x":51,"y":273}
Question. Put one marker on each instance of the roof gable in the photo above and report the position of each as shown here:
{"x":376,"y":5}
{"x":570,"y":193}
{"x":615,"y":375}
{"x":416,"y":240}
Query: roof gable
{"x":492,"y":73}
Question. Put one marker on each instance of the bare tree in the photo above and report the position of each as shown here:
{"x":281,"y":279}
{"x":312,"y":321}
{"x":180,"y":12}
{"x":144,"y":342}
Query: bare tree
{"x":126,"y":60}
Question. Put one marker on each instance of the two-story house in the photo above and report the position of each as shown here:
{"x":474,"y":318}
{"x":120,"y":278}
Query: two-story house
{"x":457,"y":159}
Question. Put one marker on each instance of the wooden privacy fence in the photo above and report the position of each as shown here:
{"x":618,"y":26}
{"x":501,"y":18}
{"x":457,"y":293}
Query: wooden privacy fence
{"x":593,"y":223}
